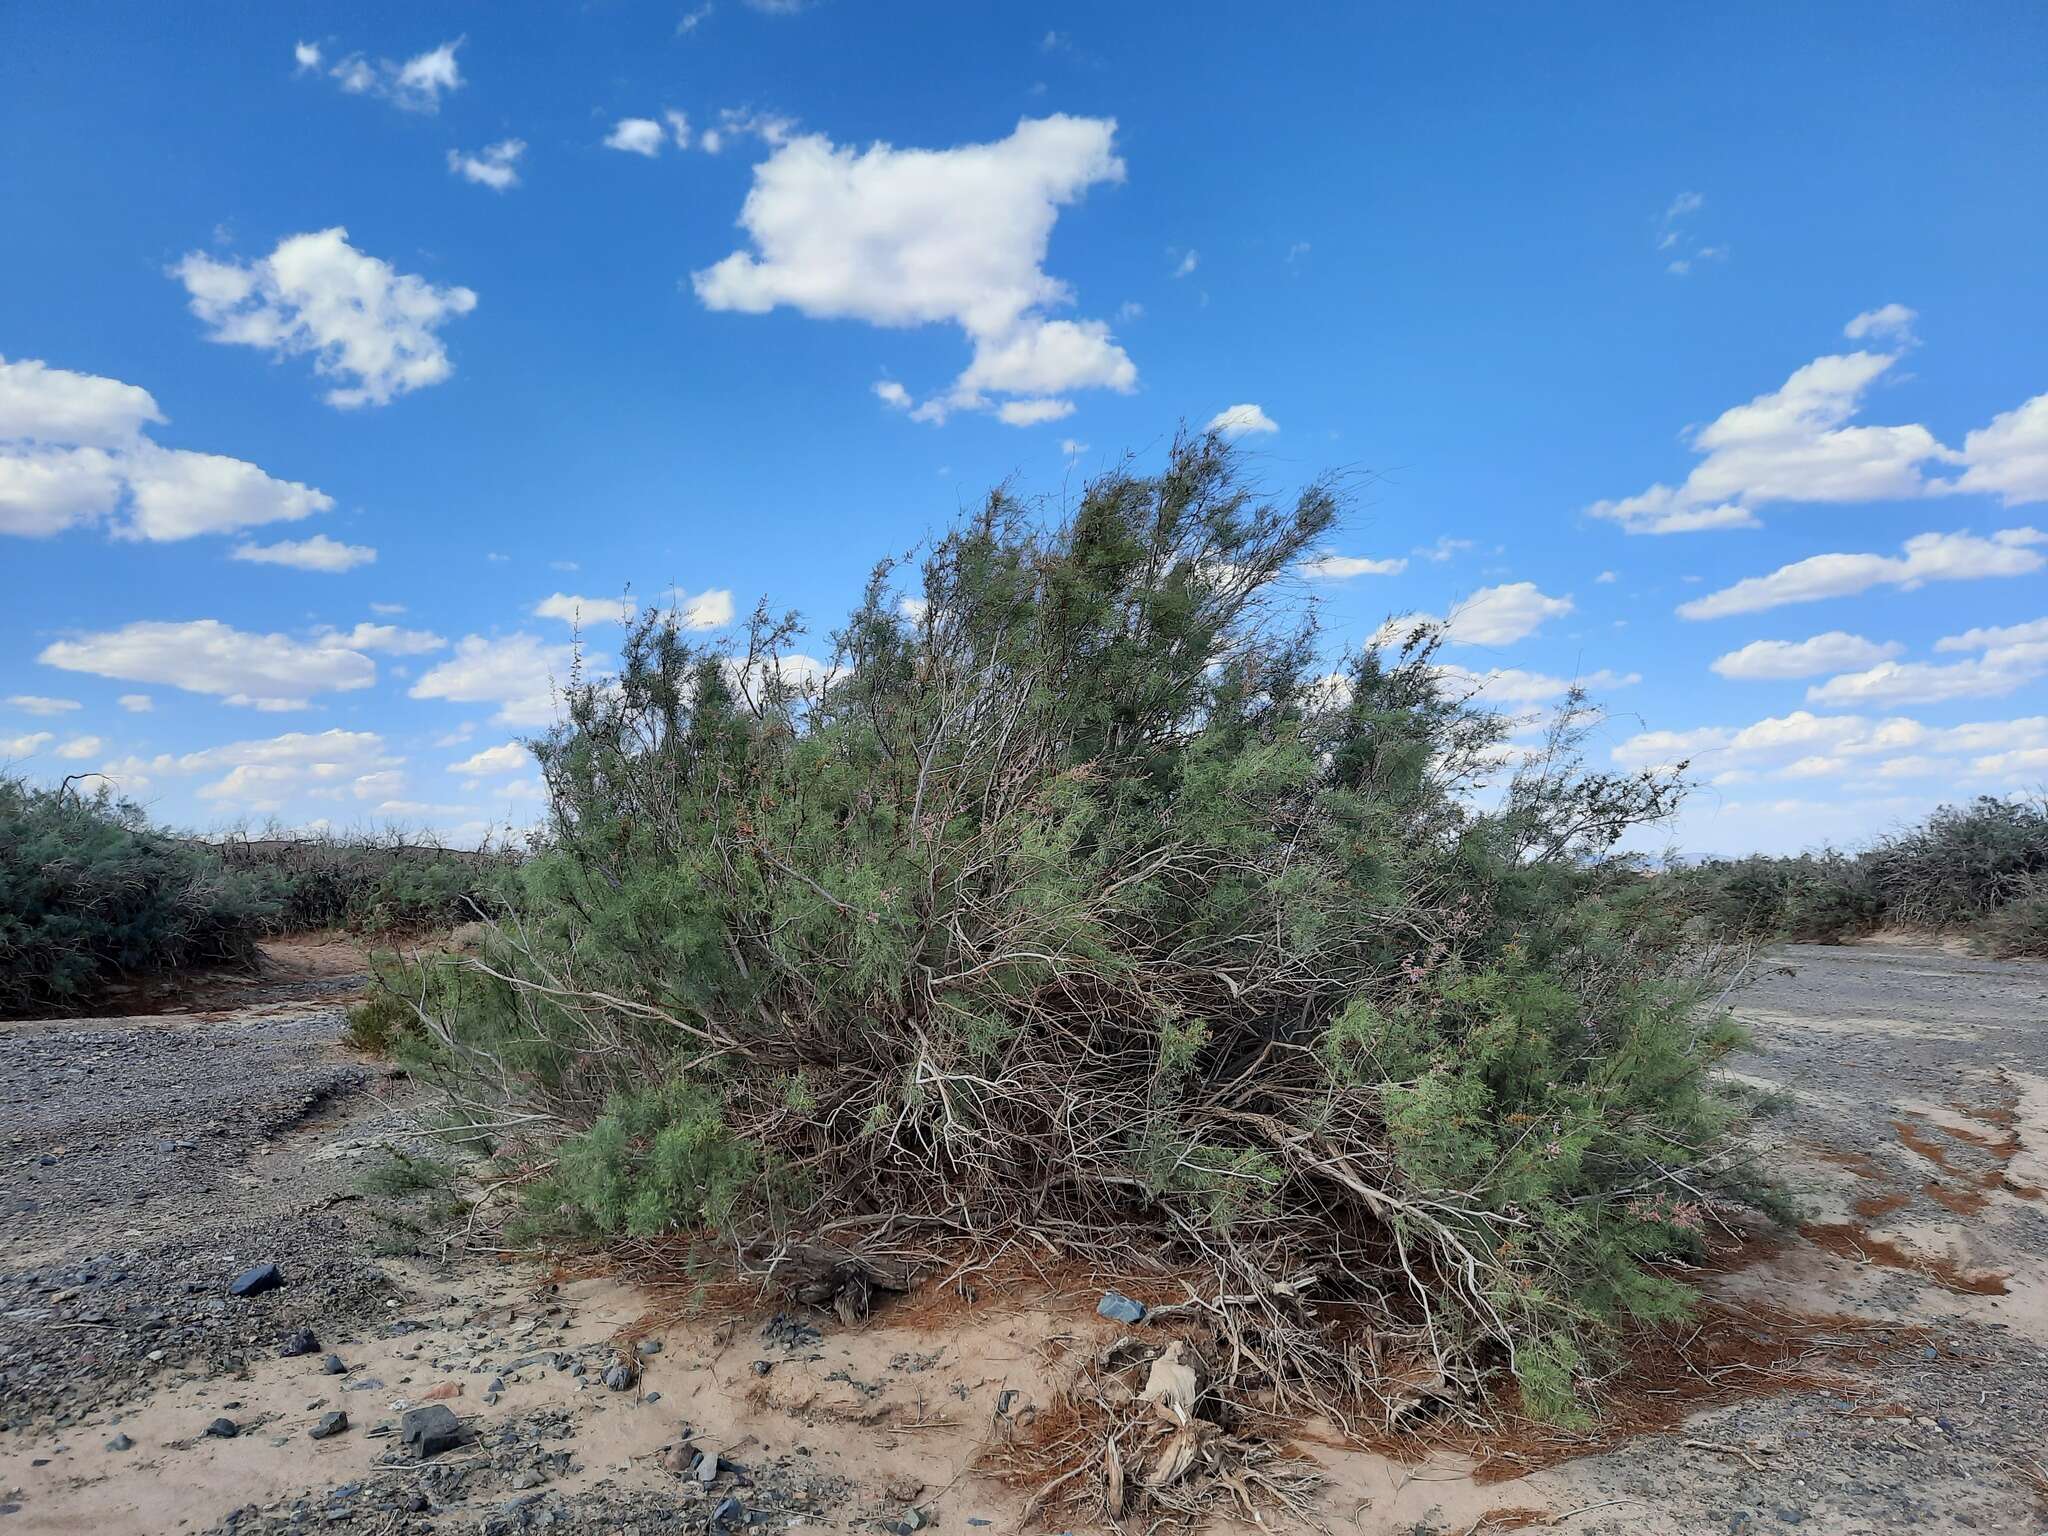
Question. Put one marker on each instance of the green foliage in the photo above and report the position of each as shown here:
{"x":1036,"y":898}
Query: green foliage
{"x":654,"y":1160}
{"x":89,"y":895}
{"x":2018,"y":928}
{"x":377,"y":1023}
{"x":381,"y":886}
{"x":1089,"y":899}
{"x":1958,"y":870}
{"x":406,"y":1175}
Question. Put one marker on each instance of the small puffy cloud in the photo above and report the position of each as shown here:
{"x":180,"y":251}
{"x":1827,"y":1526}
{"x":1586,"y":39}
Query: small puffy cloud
{"x":1795,"y":444}
{"x":78,"y":748}
{"x":37,"y":704}
{"x":268,"y":672}
{"x":1891,"y":324}
{"x":690,"y":21}
{"x":1778,"y":660}
{"x":2001,"y":635}
{"x":586,"y":610}
{"x":495,"y":166}
{"x":1030,"y":413}
{"x":706,"y":610}
{"x":319,"y":553}
{"x":892,"y":394}
{"x":416,"y":84}
{"x":2009,"y":458}
{"x":388,"y":638}
{"x":137,"y":703}
{"x":1444,"y":549}
{"x":906,"y":237}
{"x":1241,"y":421}
{"x":1187,"y":262}
{"x":493,"y":762}
{"x":30,"y":745}
{"x":1344,"y":567}
{"x":637,"y":136}
{"x":1927,"y":557}
{"x":1502,"y":615}
{"x":519,"y":673}
{"x":1605,"y":579}
{"x":913,"y":608}
{"x":1893,"y":683}
{"x":1683,"y":204}
{"x":359,"y":318}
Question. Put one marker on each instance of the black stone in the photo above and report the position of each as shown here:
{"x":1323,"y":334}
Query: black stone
{"x":253,"y":1282}
{"x":330,"y":1424}
{"x":300,"y":1343}
{"x":430,"y":1430}
{"x":223,"y":1429}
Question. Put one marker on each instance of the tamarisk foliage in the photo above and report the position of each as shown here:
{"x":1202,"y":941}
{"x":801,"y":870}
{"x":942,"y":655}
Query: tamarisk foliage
{"x":1073,"y":905}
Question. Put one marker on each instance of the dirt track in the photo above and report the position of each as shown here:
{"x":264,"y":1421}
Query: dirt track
{"x":149,"y":1160}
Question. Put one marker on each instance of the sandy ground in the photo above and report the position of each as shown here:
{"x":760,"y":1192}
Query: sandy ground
{"x":1911,"y":1094}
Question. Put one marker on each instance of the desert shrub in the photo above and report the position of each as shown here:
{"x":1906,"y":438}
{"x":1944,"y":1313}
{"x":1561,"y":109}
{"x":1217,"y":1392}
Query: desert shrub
{"x":405,"y":1174}
{"x":378,"y":1022}
{"x":375,"y":884}
{"x":1955,"y":871}
{"x":1077,"y":898}
{"x":89,"y":894}
{"x":2017,"y":928}
{"x":1962,"y":862}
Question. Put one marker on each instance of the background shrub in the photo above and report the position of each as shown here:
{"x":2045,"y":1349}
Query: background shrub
{"x":89,"y":894}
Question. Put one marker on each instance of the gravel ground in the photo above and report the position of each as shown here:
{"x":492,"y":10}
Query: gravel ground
{"x":150,"y":1161}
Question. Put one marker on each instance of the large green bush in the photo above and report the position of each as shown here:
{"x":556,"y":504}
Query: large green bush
{"x":89,"y":894}
{"x":1073,"y":898}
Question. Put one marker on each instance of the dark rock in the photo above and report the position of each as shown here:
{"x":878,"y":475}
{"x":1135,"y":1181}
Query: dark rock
{"x":330,"y":1424}
{"x":430,"y":1430}
{"x":648,"y":1347}
{"x":300,"y":1343}
{"x":762,"y":1367}
{"x":706,"y":1470}
{"x":1119,"y":1308}
{"x":333,"y":1367}
{"x":120,"y":1443}
{"x":254,"y":1282}
{"x":223,"y":1429}
{"x":621,"y":1376}
{"x":729,"y":1511}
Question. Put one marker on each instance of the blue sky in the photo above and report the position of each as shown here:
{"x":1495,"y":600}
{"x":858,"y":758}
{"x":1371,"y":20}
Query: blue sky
{"x":1702,"y":356}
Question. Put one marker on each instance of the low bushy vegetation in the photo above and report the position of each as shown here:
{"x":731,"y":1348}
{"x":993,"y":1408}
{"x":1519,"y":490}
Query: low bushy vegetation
{"x":90,"y":894}
{"x":1979,"y":869}
{"x":1074,"y":902}
{"x":376,"y":885}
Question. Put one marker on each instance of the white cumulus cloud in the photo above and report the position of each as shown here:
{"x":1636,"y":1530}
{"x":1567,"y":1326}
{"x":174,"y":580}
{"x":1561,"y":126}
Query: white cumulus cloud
{"x":1927,"y":557}
{"x":39,"y":704}
{"x":1242,"y":421}
{"x":637,"y":136}
{"x":495,"y":166}
{"x":1777,"y":660}
{"x":1331,"y":567}
{"x":268,"y":672}
{"x":519,"y":673}
{"x":492,"y":762}
{"x":319,"y":553}
{"x":586,"y":610}
{"x":907,"y":237}
{"x":417,"y":84}
{"x":73,"y":453}
{"x":359,"y":318}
